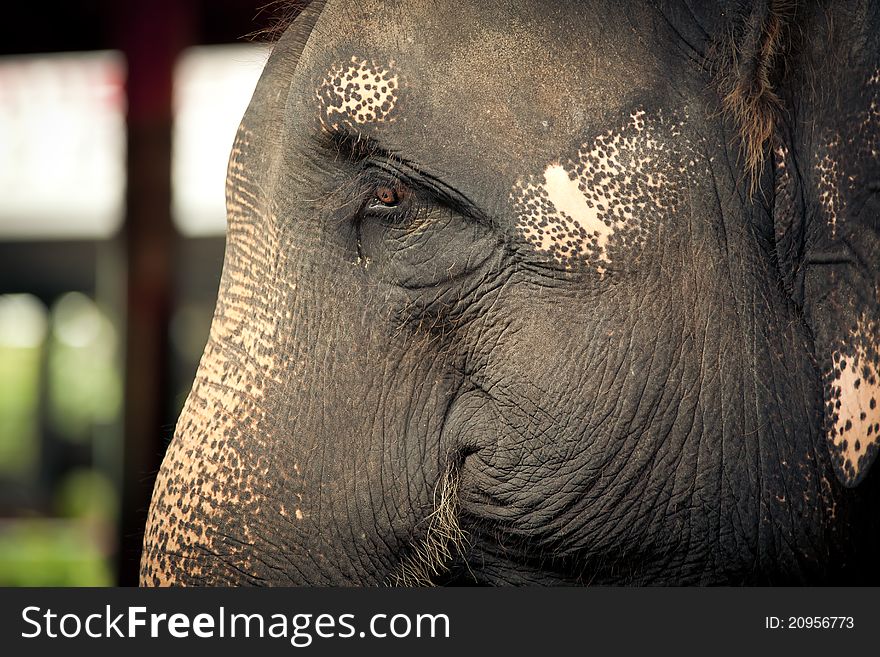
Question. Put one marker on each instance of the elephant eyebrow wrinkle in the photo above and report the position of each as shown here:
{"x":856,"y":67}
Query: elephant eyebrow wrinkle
{"x":356,"y":147}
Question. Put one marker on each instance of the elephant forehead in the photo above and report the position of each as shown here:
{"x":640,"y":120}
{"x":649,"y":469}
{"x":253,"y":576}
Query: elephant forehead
{"x":470,"y":72}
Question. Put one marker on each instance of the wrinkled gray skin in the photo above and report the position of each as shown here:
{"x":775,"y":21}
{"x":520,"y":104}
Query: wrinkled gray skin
{"x":499,"y":305}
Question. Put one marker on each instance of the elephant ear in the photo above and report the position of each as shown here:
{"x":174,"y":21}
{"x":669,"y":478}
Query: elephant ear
{"x":834,"y":131}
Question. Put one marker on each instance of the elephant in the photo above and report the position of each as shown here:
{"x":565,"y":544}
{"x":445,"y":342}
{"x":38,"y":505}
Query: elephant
{"x":567,"y":292}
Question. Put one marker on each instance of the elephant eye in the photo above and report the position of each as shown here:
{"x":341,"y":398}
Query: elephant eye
{"x":386,"y":196}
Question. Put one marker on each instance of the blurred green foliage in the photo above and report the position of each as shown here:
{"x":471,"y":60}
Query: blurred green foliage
{"x":71,"y":375}
{"x":19,"y":399}
{"x":22,"y":335}
{"x":84,"y":382}
{"x":39,"y":552}
{"x":86,"y":494}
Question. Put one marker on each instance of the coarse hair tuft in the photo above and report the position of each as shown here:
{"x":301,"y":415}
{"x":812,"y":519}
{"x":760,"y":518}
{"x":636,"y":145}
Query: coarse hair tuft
{"x":749,"y":62}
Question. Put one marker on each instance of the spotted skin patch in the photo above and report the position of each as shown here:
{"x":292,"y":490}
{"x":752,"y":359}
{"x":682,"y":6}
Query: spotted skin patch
{"x":829,"y":184}
{"x":359,"y":92}
{"x":784,"y":186}
{"x":853,"y":401}
{"x":846,"y":165}
{"x":610,"y":198}
{"x":860,"y":145}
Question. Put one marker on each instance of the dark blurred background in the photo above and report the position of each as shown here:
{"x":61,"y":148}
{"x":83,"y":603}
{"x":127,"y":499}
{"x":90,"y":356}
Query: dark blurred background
{"x":116,"y":119}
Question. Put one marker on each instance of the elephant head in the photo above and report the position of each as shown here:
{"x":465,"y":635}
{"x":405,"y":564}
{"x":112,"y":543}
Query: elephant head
{"x":542,"y":292}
